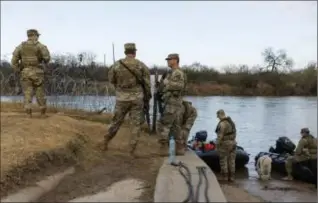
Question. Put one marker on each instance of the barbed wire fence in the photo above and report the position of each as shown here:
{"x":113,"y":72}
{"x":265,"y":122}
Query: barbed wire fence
{"x":64,"y":87}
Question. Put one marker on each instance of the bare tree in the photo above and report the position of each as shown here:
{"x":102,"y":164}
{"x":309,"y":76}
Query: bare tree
{"x":276,"y":61}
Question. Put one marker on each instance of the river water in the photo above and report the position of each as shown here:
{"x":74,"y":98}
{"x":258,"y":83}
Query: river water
{"x":259,"y":120}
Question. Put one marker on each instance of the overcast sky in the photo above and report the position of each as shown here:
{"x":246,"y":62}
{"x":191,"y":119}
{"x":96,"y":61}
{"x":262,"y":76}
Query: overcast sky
{"x":210,"y":32}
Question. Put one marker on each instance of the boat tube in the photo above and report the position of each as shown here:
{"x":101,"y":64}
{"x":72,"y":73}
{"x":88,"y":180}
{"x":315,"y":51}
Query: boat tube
{"x":211,"y":158}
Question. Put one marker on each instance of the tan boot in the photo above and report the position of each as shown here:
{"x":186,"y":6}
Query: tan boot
{"x":43,"y":112}
{"x":180,"y":150}
{"x":29,"y":112}
{"x":223,"y":177}
{"x":232,"y":177}
{"x":164,"y":150}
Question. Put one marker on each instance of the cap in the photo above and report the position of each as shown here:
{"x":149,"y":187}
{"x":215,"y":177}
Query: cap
{"x":130,"y":46}
{"x":172,"y":56}
{"x":305,"y":130}
{"x":220,"y":111}
{"x":32,"y":32}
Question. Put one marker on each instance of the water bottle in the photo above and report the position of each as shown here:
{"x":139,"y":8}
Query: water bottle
{"x":172,"y":150}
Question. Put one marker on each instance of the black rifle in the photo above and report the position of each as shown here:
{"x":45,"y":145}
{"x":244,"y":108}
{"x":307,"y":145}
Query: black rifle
{"x":147,"y":95}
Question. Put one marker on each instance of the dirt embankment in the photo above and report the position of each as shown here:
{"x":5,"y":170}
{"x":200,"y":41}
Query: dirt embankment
{"x":32,"y":148}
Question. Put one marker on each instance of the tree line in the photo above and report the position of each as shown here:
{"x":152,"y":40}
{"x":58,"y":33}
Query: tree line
{"x":80,"y":74}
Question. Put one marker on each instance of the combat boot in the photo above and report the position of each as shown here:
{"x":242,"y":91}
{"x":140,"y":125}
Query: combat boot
{"x":232,"y":177}
{"x":43,"y":112}
{"x":29,"y":112}
{"x":180,"y":150}
{"x":164,"y":149}
{"x":223,"y":177}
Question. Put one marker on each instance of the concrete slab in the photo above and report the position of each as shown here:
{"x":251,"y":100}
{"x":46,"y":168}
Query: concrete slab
{"x":171,"y":186}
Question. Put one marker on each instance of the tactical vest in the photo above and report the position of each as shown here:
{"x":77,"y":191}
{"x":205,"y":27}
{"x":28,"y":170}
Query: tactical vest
{"x":229,"y":135}
{"x":124,"y":78}
{"x":311,"y":146}
{"x":30,"y":54}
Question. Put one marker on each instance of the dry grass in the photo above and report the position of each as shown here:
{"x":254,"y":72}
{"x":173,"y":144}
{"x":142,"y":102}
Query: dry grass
{"x":65,"y":137}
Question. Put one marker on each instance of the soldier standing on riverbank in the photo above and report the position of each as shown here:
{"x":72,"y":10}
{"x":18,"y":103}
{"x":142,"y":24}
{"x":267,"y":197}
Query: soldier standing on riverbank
{"x":173,"y":91}
{"x":188,"y":115}
{"x":27,"y":61}
{"x":126,"y":75}
{"x":226,"y":145}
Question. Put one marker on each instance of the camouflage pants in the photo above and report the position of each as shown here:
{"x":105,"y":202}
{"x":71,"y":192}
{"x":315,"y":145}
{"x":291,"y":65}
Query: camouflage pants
{"x":293,"y":159}
{"x":33,"y":81}
{"x":185,"y":136}
{"x":135,"y":111}
{"x":227,"y":156}
{"x":168,"y":123}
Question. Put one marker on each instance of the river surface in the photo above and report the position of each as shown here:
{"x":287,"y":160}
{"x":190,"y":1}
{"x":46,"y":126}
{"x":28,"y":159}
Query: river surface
{"x":259,"y":120}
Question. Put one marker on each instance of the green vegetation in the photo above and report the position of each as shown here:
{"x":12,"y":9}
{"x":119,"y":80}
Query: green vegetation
{"x":68,"y":74}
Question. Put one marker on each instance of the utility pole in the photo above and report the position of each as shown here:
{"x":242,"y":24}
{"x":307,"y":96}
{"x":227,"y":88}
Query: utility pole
{"x":104,"y":60}
{"x":113,"y":52}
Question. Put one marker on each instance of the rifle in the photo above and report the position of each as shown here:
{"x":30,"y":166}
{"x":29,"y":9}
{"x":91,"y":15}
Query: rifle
{"x":155,"y":102}
{"x":159,"y":93}
{"x":147,"y":96}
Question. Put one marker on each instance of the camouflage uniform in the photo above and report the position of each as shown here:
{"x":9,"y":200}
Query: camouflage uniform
{"x":305,"y":150}
{"x":226,"y":146}
{"x":129,"y":96}
{"x":187,"y":118}
{"x":173,"y":90}
{"x":31,"y":54}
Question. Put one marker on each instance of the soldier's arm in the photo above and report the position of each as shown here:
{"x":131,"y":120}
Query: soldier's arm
{"x":221,"y":132}
{"x":16,"y":56}
{"x":146,"y":76}
{"x":300,"y":147}
{"x":111,"y":74}
{"x":176,"y":82}
{"x":46,"y":56}
{"x":190,"y":121}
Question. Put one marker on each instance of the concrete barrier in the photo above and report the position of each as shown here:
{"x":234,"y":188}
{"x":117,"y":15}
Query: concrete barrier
{"x":171,"y":186}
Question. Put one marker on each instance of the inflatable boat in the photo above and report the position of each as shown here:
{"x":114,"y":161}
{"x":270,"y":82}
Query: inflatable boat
{"x":211,"y":157}
{"x":305,"y":171}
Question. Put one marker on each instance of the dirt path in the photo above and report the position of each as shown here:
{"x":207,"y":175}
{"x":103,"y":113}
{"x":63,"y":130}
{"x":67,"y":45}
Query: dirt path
{"x":112,"y":168}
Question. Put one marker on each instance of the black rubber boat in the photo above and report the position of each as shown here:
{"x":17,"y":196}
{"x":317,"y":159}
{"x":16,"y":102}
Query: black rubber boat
{"x":211,"y":158}
{"x":305,"y":171}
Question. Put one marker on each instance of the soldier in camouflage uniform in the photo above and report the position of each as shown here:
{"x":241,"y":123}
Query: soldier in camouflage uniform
{"x":305,"y":150}
{"x":129,"y":95}
{"x":226,"y":145}
{"x":187,"y":118}
{"x":173,"y":91}
{"x":27,"y":60}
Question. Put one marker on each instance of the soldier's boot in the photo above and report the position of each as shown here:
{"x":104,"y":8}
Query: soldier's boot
{"x":29,"y":112}
{"x":231,"y":177}
{"x":107,"y":139}
{"x":164,"y":149}
{"x":132,"y":150}
{"x":43,"y":112}
{"x":223,"y":176}
{"x":180,"y":150}
{"x":289,"y":178}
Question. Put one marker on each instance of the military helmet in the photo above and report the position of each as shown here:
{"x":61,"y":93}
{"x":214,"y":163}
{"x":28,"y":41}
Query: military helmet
{"x":32,"y":32}
{"x":305,"y":130}
{"x":220,"y":112}
{"x":130,"y":46}
{"x":173,"y":56}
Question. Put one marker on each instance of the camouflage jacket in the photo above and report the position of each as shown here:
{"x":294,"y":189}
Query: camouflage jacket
{"x":174,"y":86}
{"x":307,"y":146}
{"x":225,"y":130}
{"x":125,"y":83}
{"x":188,"y":115}
{"x":30,"y":54}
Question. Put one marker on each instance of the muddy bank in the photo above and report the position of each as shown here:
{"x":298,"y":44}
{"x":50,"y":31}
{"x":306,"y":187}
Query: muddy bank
{"x":113,"y":167}
{"x":33,"y":148}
